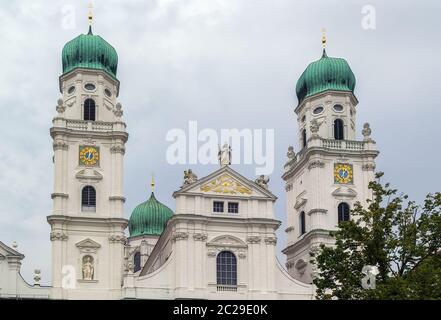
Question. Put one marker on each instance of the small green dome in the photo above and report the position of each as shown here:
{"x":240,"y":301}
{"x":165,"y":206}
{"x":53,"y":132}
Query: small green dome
{"x":325,"y":74}
{"x":90,"y":52}
{"x":149,"y":218}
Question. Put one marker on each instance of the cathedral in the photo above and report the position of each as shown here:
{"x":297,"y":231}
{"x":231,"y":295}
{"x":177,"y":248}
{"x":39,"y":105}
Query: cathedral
{"x":220,"y":241}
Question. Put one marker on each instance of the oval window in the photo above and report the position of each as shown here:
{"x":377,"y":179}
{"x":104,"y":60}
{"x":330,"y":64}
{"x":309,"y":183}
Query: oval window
{"x":338,"y":108}
{"x":71,"y":90}
{"x":108,"y":92}
{"x":89,"y":86}
{"x":318,"y":110}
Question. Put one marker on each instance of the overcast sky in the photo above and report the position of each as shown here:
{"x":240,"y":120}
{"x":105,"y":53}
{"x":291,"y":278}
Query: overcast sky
{"x":226,"y":64}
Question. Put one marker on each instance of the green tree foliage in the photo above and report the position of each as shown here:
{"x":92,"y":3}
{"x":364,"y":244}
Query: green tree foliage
{"x":398,"y":236}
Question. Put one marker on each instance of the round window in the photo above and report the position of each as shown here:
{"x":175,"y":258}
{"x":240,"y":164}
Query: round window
{"x":338,"y":108}
{"x":71,"y":90}
{"x":318,"y":110}
{"x":90,"y":86}
{"x":108,"y":92}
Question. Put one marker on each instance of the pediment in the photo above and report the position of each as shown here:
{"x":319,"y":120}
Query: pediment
{"x":88,"y":244}
{"x":226,"y":182}
{"x":6,"y":251}
{"x":227,"y":241}
{"x":300,"y":200}
{"x":89,"y":174}
{"x":344,"y":192}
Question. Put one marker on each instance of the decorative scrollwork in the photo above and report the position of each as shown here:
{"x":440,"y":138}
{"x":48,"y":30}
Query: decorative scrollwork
{"x":254,"y":239}
{"x":180,"y":236}
{"x":58,"y":236}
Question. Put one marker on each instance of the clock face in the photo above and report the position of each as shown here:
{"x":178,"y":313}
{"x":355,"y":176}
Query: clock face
{"x":343,"y":173}
{"x":89,"y":156}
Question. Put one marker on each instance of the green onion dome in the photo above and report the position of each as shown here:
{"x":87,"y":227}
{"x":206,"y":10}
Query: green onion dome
{"x":149,"y":218}
{"x":89,"y":51}
{"x":325,"y":74}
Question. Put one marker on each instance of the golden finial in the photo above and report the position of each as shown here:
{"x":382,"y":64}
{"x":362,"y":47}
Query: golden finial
{"x":324,"y":38}
{"x":90,"y":16}
{"x":153,"y":183}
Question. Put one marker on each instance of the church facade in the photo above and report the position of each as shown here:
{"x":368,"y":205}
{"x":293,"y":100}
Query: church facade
{"x":220,"y":242}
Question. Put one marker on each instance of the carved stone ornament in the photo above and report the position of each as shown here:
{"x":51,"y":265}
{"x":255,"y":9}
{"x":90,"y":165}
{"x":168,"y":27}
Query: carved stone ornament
{"x":300,"y":265}
{"x":180,"y":236}
{"x":211,"y":253}
{"x":224,"y":155}
{"x":262,"y":181}
{"x":58,"y":236}
{"x":37,"y":277}
{"x":271,"y":240}
{"x":316,"y":164}
{"x":226,"y":184}
{"x":60,"y":145}
{"x":117,"y":239}
{"x":288,"y":187}
{"x":368,"y":167}
{"x":189,"y":177}
{"x":200,"y":237}
{"x":366,"y":131}
{"x":118,"y":149}
{"x":242,"y":255}
{"x":315,"y":126}
{"x":254,"y":239}
{"x":118,"y":110}
{"x":88,"y":268}
{"x":290,"y":154}
{"x":60,"y":106}
{"x":227,"y":242}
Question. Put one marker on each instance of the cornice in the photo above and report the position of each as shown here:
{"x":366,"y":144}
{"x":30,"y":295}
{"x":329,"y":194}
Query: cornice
{"x":176,"y":218}
{"x":124,"y":136}
{"x":317,"y":96}
{"x":310,"y":151}
{"x":120,"y":222}
{"x":306,"y":238}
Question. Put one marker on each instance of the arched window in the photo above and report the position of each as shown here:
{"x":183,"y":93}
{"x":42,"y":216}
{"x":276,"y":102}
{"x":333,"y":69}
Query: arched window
{"x":343,"y":212}
{"x":304,"y":138}
{"x":226,"y":268}
{"x":89,"y":110}
{"x":302,"y":223}
{"x":88,"y":199}
{"x":338,"y":129}
{"x":137,"y":262}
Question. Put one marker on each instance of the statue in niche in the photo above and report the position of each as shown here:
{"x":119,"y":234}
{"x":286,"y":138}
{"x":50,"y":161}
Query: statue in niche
{"x":88,"y":269}
{"x":224,"y":155}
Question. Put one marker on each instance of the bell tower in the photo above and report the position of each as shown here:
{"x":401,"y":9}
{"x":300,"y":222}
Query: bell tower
{"x":89,"y":136}
{"x":332,"y":170}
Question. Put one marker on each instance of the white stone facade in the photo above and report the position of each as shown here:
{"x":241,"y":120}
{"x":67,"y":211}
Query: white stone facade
{"x":218,"y":214}
{"x":12,"y":284}
{"x":309,"y":175}
{"x":81,"y":233}
{"x":183,"y":262}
